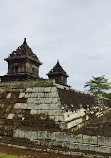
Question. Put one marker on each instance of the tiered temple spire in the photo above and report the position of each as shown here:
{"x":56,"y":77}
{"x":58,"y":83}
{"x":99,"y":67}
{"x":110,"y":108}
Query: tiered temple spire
{"x":23,"y":64}
{"x":58,"y":74}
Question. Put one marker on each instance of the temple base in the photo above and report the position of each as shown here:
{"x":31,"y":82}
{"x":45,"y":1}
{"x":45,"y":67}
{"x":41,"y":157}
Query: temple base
{"x":17,"y":77}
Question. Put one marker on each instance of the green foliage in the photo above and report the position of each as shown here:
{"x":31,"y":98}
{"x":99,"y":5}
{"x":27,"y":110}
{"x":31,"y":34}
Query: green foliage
{"x":6,"y":156}
{"x":98,"y":85}
{"x":107,"y":95}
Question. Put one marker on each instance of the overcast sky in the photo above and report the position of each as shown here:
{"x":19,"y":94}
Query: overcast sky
{"x":77,"y":32}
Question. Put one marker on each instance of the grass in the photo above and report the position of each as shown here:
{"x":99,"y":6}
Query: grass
{"x":7,"y":156}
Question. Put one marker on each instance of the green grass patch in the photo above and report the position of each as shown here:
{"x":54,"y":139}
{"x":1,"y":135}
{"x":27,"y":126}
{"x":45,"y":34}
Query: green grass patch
{"x":7,"y":156}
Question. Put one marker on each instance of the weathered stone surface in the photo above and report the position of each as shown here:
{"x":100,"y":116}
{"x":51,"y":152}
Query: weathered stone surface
{"x":33,"y":112}
{"x":33,"y":136}
{"x":39,"y":114}
{"x":22,"y":95}
{"x":64,"y":140}
{"x":90,"y":139}
{"x":105,"y":141}
{"x":9,"y":95}
{"x":21,"y":134}
{"x":27,"y":134}
{"x":10,"y":116}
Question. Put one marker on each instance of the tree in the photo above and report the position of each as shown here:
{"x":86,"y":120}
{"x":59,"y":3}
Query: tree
{"x":98,"y":85}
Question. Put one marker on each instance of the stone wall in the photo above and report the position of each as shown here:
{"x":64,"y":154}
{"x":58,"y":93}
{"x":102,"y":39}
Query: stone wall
{"x":46,"y":113}
{"x":97,"y":144}
{"x":49,"y":103}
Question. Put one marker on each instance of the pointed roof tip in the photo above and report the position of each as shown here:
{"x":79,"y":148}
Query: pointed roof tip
{"x":57,"y":69}
{"x":57,"y":61}
{"x":24,"y":41}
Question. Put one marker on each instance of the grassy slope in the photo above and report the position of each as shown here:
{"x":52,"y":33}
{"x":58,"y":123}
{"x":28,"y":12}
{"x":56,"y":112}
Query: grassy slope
{"x":6,"y":156}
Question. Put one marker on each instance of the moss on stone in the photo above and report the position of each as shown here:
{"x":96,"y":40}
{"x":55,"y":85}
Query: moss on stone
{"x":25,"y":84}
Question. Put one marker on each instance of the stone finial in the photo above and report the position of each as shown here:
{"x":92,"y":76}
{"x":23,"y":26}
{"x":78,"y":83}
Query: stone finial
{"x":58,"y":61}
{"x":24,"y":41}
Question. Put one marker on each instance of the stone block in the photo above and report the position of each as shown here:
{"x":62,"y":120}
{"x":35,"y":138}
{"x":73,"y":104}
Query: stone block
{"x":30,"y":106}
{"x":54,"y":106}
{"x":21,"y":95}
{"x":27,"y":95}
{"x":74,"y":123}
{"x":61,"y":136}
{"x":105,"y":141}
{"x":50,"y":135}
{"x":71,"y":137}
{"x":16,"y":133}
{"x":73,"y":146}
{"x":21,"y":134}
{"x":55,"y":100}
{"x":10,"y":116}
{"x":46,"y":95}
{"x":45,"y":134}
{"x":57,"y":143}
{"x":59,"y":118}
{"x":47,"y":89}
{"x":27,"y":134}
{"x":44,"y":106}
{"x":76,"y":153}
{"x":65,"y":145}
{"x":41,"y":135}
{"x":42,"y":112}
{"x":77,"y":138}
{"x":33,"y":135}
{"x":89,"y":139}
{"x":39,"y":101}
{"x":9,"y":95}
{"x":49,"y":144}
{"x":31,"y":100}
{"x":53,"y":89}
{"x":41,"y":107}
{"x":54,"y":112}
{"x":38,"y":89}
{"x":41,"y":95}
{"x":53,"y":95}
{"x":23,"y":106}
{"x":52,"y":117}
{"x":17,"y":105}
{"x":34,"y":95}
{"x":48,"y":100}
{"x":37,"y":142}
{"x":42,"y":142}
{"x":84,"y":147}
{"x":37,"y":107}
{"x":29,"y":90}
{"x":33,"y":112}
{"x":100,"y":149}
{"x":62,"y":125}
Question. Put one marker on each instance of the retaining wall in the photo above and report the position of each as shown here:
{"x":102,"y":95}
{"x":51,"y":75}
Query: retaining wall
{"x":70,"y":141}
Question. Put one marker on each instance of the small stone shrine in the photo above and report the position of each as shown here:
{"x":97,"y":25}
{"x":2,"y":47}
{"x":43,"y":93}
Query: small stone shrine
{"x":58,"y":74}
{"x":23,"y":64}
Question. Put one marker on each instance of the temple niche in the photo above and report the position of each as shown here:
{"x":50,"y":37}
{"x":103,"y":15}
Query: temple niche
{"x":23,"y":64}
{"x":58,"y":74}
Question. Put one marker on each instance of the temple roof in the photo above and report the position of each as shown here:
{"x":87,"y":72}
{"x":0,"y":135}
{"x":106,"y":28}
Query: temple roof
{"x":57,"y":69}
{"x":23,"y":51}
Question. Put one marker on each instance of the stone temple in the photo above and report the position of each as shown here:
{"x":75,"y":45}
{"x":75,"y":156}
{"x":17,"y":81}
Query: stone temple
{"x":23,"y":64}
{"x":58,"y":74}
{"x":47,"y":114}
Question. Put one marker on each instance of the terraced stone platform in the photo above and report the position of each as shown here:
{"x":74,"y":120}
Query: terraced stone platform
{"x":48,"y":114}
